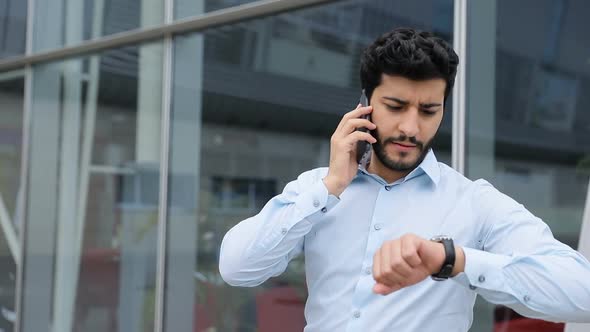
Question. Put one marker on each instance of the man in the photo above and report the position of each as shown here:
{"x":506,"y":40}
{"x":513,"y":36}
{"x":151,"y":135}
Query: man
{"x":381,"y":240}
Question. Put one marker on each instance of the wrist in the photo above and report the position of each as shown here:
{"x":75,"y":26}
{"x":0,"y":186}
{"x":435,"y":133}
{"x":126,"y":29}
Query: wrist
{"x":334,"y":186}
{"x":459,"y":261}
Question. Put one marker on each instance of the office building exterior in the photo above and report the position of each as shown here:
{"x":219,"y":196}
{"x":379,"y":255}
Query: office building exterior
{"x":135,"y":133}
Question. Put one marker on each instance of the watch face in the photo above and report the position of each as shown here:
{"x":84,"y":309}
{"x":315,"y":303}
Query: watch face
{"x":439,"y":238}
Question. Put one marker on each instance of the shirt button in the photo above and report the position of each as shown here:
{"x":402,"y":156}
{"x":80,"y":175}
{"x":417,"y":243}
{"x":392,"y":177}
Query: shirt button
{"x":357,"y":314}
{"x":377,"y":227}
{"x":324,"y":210}
{"x":388,"y":188}
{"x":316,"y":203}
{"x":527,"y":298}
{"x":472,"y":287}
{"x":284,"y":231}
{"x":481,"y":278}
{"x":368,"y":270}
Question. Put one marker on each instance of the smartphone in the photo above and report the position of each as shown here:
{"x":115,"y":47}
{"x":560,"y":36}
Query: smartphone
{"x":363,"y":147}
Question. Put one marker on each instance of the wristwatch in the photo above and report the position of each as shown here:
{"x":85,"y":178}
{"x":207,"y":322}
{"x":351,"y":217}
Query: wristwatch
{"x":447,"y":267}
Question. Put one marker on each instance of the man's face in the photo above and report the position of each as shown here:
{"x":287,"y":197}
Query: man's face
{"x":407,"y":114}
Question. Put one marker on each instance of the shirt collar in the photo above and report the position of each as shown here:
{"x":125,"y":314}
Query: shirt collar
{"x":428,"y":166}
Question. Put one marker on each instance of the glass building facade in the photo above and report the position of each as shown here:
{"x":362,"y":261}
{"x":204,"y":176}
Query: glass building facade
{"x":135,"y":133}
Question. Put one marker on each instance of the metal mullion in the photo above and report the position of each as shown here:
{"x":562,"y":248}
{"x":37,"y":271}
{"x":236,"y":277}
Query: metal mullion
{"x":209,"y":20}
{"x":23,"y":194}
{"x":584,"y":243}
{"x":459,"y":90}
{"x":24,"y":166}
{"x":164,"y":165}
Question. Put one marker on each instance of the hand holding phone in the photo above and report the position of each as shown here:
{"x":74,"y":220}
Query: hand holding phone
{"x":348,"y":145}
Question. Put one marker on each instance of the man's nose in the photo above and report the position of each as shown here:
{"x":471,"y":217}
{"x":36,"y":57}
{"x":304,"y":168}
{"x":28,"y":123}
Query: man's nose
{"x":409,"y":123}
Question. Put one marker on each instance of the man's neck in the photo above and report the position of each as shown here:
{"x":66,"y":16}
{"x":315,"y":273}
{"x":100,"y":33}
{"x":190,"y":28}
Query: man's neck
{"x":376,"y":167}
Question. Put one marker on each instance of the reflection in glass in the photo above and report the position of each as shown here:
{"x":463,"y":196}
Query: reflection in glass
{"x":254,"y":105}
{"x":528,"y":124}
{"x":96,"y":125}
{"x":11,"y":126}
{"x":13,"y":31}
{"x":75,"y":21}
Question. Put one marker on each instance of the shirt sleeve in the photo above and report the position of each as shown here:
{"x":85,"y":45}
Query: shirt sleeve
{"x":521,"y":265}
{"x":261,"y":247}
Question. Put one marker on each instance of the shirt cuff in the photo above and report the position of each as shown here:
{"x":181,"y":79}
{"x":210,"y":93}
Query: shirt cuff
{"x":315,"y":202}
{"x":486,"y":270}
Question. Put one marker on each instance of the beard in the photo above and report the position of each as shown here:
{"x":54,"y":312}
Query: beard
{"x":400,"y":166}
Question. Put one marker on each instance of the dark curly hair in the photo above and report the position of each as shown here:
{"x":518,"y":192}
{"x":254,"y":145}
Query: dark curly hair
{"x":413,"y":54}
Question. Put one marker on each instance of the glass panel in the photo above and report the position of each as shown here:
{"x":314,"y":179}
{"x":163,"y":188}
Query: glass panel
{"x":254,"y":105}
{"x":11,"y":126}
{"x":528,"y":120}
{"x":93,"y":198}
{"x":13,"y":31}
{"x":187,"y":8}
{"x":74,"y":21}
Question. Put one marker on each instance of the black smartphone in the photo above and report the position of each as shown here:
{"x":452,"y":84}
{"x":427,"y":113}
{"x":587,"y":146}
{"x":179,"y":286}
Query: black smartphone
{"x":363,"y":147}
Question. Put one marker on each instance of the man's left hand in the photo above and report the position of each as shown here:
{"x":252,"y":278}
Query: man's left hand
{"x":408,"y":260}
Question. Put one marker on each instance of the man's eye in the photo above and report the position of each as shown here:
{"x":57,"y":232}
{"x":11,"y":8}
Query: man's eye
{"x":429,"y":113}
{"x":394,"y":108}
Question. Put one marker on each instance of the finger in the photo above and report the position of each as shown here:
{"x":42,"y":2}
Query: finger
{"x":384,"y":290}
{"x":390,"y":277}
{"x":356,"y":113}
{"x":398,"y":263}
{"x":354,"y":124}
{"x":356,"y":136}
{"x":409,"y":252}
{"x":385,"y":266}
{"x":346,"y":117}
{"x":376,"y":265}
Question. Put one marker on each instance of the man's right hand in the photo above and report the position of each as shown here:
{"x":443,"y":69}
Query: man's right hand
{"x":343,"y":164}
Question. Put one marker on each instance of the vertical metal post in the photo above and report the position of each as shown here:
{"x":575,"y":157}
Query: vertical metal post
{"x":24,"y":166}
{"x":23,"y":195}
{"x":459,"y":90}
{"x":164,"y":163}
{"x":584,"y":244}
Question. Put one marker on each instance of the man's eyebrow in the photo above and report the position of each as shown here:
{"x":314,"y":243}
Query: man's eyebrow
{"x":405,"y":102}
{"x":431,"y":105}
{"x":397,"y":100}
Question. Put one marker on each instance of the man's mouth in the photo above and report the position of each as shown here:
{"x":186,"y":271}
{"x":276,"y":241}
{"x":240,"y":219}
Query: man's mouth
{"x":403,"y":147}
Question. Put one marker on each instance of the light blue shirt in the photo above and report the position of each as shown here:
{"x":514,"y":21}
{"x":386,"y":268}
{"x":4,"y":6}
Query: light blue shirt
{"x":511,"y":257}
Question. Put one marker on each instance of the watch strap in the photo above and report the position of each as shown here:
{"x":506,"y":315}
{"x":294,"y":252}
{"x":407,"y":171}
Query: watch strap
{"x":447,"y":268}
